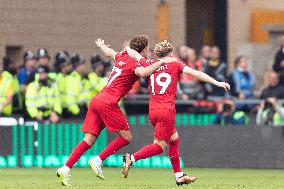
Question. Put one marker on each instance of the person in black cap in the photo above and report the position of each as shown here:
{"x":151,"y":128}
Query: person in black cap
{"x":27,"y":70}
{"x":42,"y":98}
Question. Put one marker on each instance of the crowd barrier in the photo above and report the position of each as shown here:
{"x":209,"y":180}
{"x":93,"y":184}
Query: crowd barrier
{"x":38,"y":145}
{"x":32,"y":144}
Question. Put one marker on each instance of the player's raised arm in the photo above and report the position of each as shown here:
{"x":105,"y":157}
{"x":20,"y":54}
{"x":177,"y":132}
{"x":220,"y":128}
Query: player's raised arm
{"x":206,"y":78}
{"x":109,"y":52}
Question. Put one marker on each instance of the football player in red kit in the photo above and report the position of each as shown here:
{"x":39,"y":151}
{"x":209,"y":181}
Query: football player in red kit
{"x":103,"y":109}
{"x":162,"y":110}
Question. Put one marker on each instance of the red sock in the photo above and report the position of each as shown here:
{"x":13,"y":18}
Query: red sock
{"x":148,"y":151}
{"x":77,"y":152}
{"x":113,"y":147}
{"x":174,"y":155}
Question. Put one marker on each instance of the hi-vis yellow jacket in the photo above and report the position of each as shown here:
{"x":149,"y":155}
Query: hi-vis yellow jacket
{"x":6,"y":90}
{"x":42,"y":100}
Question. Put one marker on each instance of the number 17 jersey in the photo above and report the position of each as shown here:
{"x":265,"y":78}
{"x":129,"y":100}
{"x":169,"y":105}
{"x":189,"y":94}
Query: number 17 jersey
{"x":120,"y":80}
{"x":163,"y":84}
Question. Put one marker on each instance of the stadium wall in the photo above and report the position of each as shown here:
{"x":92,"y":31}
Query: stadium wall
{"x":74,"y":25}
{"x":239,"y":21}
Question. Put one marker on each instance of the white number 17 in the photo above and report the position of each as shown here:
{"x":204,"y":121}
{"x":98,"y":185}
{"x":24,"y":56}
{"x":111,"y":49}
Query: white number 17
{"x":117,"y":73}
{"x":163,"y":84}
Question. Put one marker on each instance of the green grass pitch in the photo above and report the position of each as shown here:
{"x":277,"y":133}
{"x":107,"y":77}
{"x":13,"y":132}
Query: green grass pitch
{"x":29,"y":178}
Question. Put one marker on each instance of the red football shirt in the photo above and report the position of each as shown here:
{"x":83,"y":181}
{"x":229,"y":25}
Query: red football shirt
{"x":164,"y":84}
{"x":121,"y":79}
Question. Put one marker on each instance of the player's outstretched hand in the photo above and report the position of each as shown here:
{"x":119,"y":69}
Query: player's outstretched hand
{"x":224,"y":85}
{"x":100,"y":42}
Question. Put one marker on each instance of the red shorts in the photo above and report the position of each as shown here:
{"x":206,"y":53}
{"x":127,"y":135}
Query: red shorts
{"x":163,"y":121}
{"x":101,"y":115}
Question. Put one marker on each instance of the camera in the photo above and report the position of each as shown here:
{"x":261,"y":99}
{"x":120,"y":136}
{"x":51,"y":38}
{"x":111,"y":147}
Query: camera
{"x":268,"y":105}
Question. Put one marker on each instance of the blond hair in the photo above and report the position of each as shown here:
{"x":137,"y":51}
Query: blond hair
{"x":163,"y":48}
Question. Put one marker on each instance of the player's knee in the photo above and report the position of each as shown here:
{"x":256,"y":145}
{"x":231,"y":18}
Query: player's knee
{"x":126,"y":134}
{"x":161,"y":143}
{"x":90,"y":139}
{"x":128,"y":137}
{"x":174,"y":136}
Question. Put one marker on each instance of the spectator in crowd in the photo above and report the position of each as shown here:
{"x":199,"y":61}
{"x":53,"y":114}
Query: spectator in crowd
{"x":270,"y":112}
{"x":204,"y":55}
{"x":182,"y":53}
{"x":96,"y":77}
{"x":278,"y":65}
{"x":42,"y":98}
{"x":6,"y":92}
{"x":27,"y":70}
{"x":243,"y":81}
{"x":79,"y":97}
{"x":229,"y":116}
{"x":10,"y":67}
{"x":64,"y":66}
{"x":274,"y":89}
{"x":189,"y":84}
{"x":216,"y":69}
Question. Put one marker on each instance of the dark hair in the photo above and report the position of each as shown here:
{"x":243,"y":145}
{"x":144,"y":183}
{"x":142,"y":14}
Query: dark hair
{"x":139,"y":43}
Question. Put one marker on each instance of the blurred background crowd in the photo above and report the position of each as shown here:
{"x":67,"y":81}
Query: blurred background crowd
{"x":52,"y":88}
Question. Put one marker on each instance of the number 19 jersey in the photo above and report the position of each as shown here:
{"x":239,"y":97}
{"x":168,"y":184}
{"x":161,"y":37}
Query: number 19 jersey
{"x":121,"y":79}
{"x":163,"y":84}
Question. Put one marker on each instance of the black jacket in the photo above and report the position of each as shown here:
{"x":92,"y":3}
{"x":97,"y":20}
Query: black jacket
{"x":277,"y":91}
{"x":277,"y":64}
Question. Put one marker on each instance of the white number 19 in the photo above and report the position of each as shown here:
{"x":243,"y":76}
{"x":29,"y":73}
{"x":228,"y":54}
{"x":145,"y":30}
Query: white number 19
{"x":163,"y":84}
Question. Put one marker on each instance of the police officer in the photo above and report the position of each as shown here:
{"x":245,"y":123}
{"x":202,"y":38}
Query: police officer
{"x":96,"y":77}
{"x":44,"y":60}
{"x":80,"y":95}
{"x":42,"y":98}
{"x":6,"y":92}
{"x":64,"y":67}
{"x":10,"y":67}
{"x":25,"y":72}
